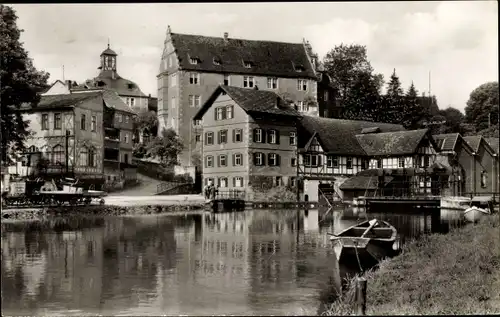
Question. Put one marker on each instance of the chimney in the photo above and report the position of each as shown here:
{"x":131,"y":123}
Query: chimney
{"x":226,"y":36}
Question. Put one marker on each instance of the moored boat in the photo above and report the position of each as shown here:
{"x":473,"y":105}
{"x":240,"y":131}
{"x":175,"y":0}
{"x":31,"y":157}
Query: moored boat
{"x":474,"y":213}
{"x":374,"y":238}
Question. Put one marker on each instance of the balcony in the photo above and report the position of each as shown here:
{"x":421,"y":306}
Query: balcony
{"x":111,"y":143}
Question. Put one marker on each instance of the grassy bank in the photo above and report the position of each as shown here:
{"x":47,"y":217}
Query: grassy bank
{"x":456,"y":273}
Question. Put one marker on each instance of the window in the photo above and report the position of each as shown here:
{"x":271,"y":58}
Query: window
{"x":222,"y":136}
{"x":257,"y":135}
{"x":194,"y":78}
{"x":119,"y":117}
{"x":238,"y":181}
{"x":209,"y":161}
{"x":312,"y":160}
{"x":293,"y":181}
{"x":84,"y":155}
{"x":126,"y":118}
{"x":272,"y":83}
{"x":222,"y":160}
{"x":125,"y":137}
{"x":238,"y":159}
{"x":194,"y":101}
{"x":209,"y":138}
{"x":273,"y":159}
{"x":248,"y":81}
{"x":94,"y":124}
{"x":332,"y":161}
{"x":82,"y":122}
{"x":125,"y":158}
{"x":293,"y":161}
{"x":401,"y":162}
{"x":237,"y":135}
{"x":174,"y":102}
{"x":258,"y":159}
{"x":220,"y":113}
{"x":424,"y":161}
{"x":57,"y":121}
{"x":278,"y":181}
{"x":302,"y":107}
{"x":349,"y":162}
{"x":247,"y":64}
{"x":302,"y":84}
{"x":229,"y":112}
{"x":45,"y":121}
{"x":92,"y":158}
{"x":197,"y":122}
{"x":325,"y":96}
{"x":293,"y":138}
{"x":226,"y":80}
{"x":193,"y":61}
{"x":132,"y":102}
{"x":58,"y":155}
{"x":173,"y":80}
{"x":484,"y":179}
{"x":222,"y":182}
{"x":197,"y":138}
{"x":272,"y":137}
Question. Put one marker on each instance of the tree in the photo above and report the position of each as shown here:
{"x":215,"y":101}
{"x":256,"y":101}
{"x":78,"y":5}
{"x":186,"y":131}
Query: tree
{"x":363,"y":99}
{"x":414,"y":114}
{"x":166,"y":147}
{"x":482,"y":106}
{"x":454,"y":119}
{"x":347,"y":65}
{"x":146,"y":121}
{"x":394,"y":102}
{"x":20,"y":83}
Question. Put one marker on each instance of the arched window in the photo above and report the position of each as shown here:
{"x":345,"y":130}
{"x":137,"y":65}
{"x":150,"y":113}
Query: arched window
{"x":58,"y":154}
{"x":83,"y":160}
{"x":484,"y":179}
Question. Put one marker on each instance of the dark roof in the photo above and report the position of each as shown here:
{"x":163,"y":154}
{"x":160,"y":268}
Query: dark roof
{"x":108,"y":51}
{"x":391,"y":143}
{"x":494,"y":143}
{"x":61,"y":101}
{"x":363,"y":182}
{"x":112,"y":100}
{"x":446,"y":142}
{"x":339,"y":136}
{"x":252,"y":101}
{"x":122,"y":86}
{"x":270,"y":58}
{"x":474,"y":141}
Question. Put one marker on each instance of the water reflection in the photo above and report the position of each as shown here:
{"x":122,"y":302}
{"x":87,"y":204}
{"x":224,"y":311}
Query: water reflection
{"x":252,"y":262}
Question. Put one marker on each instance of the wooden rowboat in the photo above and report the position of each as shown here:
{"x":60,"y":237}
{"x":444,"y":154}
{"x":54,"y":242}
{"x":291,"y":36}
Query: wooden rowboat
{"x":474,"y":214}
{"x":375,"y":238}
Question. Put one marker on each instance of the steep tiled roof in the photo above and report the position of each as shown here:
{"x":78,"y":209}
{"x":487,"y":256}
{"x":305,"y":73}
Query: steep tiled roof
{"x":446,"y":142}
{"x":339,"y":136}
{"x":391,"y":143}
{"x":114,"y":101}
{"x":252,"y":101}
{"x":474,"y":141}
{"x":61,"y":101}
{"x":269,"y":58}
{"x":122,"y":86}
{"x":494,"y":143}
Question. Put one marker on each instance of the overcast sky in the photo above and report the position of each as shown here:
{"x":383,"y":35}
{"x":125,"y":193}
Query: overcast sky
{"x":456,"y":41}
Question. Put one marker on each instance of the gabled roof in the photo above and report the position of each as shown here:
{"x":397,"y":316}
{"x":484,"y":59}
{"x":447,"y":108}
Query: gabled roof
{"x":446,"y":142}
{"x":112,"y":100}
{"x":339,"y":136}
{"x":121,"y":86}
{"x":391,"y":143}
{"x":252,"y":101}
{"x":494,"y":143}
{"x":475,"y":142}
{"x":266,"y":57}
{"x":48,"y":102}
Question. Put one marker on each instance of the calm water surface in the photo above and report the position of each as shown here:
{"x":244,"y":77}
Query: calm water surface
{"x":253,"y":262}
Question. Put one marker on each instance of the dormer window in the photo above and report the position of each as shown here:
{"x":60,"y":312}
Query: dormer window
{"x":100,"y":83}
{"x":299,"y":68}
{"x":193,"y":60}
{"x":130,"y":86}
{"x":247,"y":64}
{"x":217,"y":61}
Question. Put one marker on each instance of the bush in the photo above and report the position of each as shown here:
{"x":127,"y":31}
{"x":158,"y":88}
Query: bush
{"x":275,"y":194}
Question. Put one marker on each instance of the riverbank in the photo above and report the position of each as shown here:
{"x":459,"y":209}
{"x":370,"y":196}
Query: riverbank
{"x":454,"y":273}
{"x":95,"y":210}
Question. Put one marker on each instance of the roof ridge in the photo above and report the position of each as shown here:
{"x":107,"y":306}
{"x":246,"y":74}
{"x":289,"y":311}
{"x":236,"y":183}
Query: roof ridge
{"x":238,"y":39}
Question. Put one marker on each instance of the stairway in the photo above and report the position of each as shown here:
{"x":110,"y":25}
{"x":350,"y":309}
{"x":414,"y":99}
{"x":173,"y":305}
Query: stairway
{"x":147,"y":187}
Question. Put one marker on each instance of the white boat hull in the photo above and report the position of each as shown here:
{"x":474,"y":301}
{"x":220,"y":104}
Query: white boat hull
{"x":474,"y":214}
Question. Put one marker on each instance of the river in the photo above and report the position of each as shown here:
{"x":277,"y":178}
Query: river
{"x":257,"y":262}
